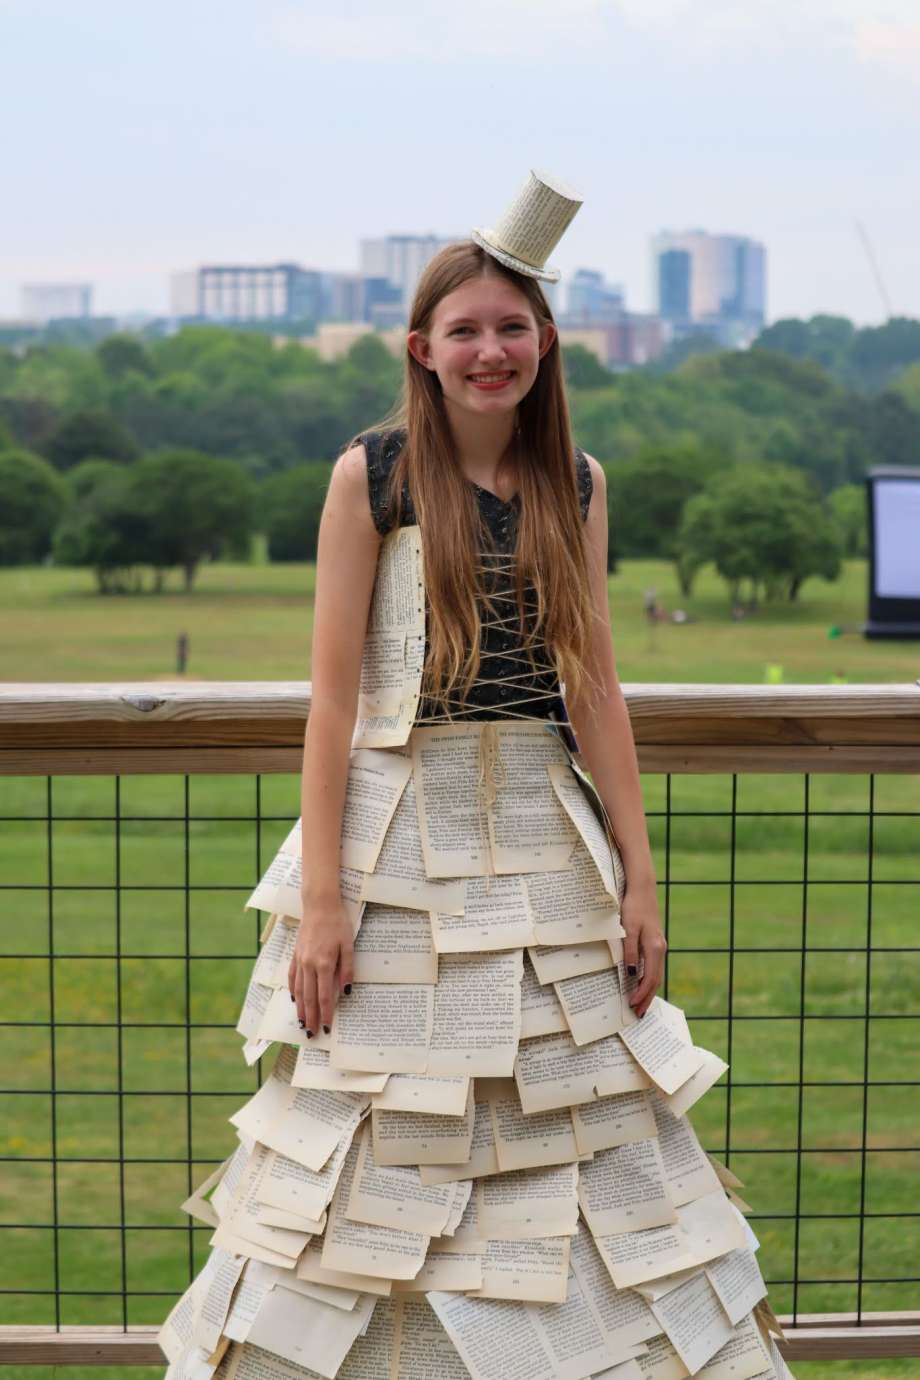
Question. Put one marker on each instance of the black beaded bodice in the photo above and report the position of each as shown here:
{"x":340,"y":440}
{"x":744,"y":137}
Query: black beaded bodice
{"x":507,"y":685}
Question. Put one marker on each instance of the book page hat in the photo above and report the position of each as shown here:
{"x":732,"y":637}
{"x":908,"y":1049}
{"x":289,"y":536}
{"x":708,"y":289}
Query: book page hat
{"x":532,"y":226}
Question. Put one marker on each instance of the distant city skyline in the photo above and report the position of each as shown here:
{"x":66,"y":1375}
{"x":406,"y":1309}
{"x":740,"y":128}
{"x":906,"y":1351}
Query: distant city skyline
{"x":155,"y":138}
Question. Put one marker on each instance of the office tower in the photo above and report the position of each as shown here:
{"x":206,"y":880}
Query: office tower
{"x":714,"y":282}
{"x":43,"y":302}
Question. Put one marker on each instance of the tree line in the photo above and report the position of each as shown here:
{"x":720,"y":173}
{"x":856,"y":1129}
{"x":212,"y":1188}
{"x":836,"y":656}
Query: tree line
{"x":138,"y":457}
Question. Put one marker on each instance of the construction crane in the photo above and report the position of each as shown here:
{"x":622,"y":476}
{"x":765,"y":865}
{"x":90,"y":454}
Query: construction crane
{"x":875,"y":269}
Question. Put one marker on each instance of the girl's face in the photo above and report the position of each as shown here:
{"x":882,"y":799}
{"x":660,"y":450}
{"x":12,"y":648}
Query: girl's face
{"x":484,"y":345}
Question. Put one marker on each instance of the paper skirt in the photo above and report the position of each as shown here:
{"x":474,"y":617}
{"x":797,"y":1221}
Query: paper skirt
{"x":486,"y":1169}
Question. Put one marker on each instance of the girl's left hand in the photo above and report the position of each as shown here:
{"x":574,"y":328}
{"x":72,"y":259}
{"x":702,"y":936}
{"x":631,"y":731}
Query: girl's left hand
{"x":645,"y":940}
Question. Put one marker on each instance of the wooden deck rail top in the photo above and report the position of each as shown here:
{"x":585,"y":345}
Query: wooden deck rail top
{"x":249,"y":726}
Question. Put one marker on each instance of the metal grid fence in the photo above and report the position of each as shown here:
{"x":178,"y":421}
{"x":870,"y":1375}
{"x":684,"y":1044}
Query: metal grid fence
{"x":789,"y":902}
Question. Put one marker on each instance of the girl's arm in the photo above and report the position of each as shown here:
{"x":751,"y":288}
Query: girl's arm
{"x":606,"y":742}
{"x":346,"y":564}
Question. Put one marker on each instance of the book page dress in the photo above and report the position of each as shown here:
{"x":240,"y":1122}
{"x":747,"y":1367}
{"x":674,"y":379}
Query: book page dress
{"x":487,"y":1167}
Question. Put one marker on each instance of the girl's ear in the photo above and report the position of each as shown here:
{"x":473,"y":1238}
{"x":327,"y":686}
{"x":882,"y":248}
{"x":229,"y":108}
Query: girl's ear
{"x":419,"y":349}
{"x":548,"y":334}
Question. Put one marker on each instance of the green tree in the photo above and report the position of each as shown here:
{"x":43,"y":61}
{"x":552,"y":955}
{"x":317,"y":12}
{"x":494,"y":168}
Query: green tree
{"x":106,"y":529}
{"x":290,"y":506}
{"x":87,"y":435}
{"x":32,"y":498}
{"x":649,"y":493}
{"x":197,"y":506}
{"x":124,"y":354}
{"x":848,"y":506}
{"x":767,"y":526}
{"x":583,"y":369}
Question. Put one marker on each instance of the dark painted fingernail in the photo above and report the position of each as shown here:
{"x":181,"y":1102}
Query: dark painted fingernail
{"x":347,"y":989}
{"x":309,"y":1034}
{"x":325,"y":1030}
{"x":631,"y":969}
{"x":291,"y":995}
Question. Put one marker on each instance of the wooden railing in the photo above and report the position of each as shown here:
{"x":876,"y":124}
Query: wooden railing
{"x":257,"y":727}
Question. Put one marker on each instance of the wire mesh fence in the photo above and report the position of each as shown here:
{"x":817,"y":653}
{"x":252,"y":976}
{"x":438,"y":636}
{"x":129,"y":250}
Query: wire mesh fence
{"x":789,"y":903}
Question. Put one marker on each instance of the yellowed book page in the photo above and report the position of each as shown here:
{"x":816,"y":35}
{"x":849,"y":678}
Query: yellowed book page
{"x":380,"y":687}
{"x":418,"y":1138}
{"x":371,"y":1357}
{"x":386,"y":730}
{"x":271,"y":966}
{"x":221,"y":1280}
{"x":592,"y":1005}
{"x":573,"y":800}
{"x":454,"y":1269}
{"x":177,"y":1331}
{"x":477,"y":1014}
{"x":374,"y":783}
{"x":394,"y":1195}
{"x":526,"y":1142}
{"x":572,"y":905}
{"x":555,"y":1072}
{"x":229,"y":1175}
{"x":625,"y":1318}
{"x":227,"y":1240}
{"x":694,"y":1321}
{"x":397,"y":611}
{"x":280,"y":1217}
{"x":423,"y":1349}
{"x":534,"y":1271}
{"x":255,"y":1004}
{"x":555,"y":964}
{"x":541,"y":1013}
{"x":268,"y":1103}
{"x":528,"y":1203}
{"x":313,"y":1123}
{"x":394,"y":945}
{"x":307,"y":1332}
{"x":452,"y":821}
{"x":666,"y":1059}
{"x":623,"y":1189}
{"x":576,"y":1339}
{"x":654,"y":1289}
{"x":634,"y":1256}
{"x":614,"y":1120}
{"x":482,"y":1159}
{"x":738,"y":1282}
{"x":496,"y":1340}
{"x":197,"y":1204}
{"x":383,"y":1026}
{"x":743,"y":1357}
{"x":710,"y":1071}
{"x":310,"y":1267}
{"x":326,"y":1293}
{"x":292,"y":1187}
{"x":240,"y":1219}
{"x":688,"y":1173}
{"x":275,"y":892}
{"x":660,"y":1361}
{"x":712,"y":1225}
{"x":624,"y":1370}
{"x":281,"y":1024}
{"x":314,"y":1070}
{"x":247,"y":1300}
{"x":529,"y":830}
{"x":496,"y":915}
{"x":426,"y":1093}
{"x":399,"y":877}
{"x":362,"y":1249}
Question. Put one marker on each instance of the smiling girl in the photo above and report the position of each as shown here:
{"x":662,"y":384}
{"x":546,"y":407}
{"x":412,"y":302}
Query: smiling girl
{"x":513,"y":522}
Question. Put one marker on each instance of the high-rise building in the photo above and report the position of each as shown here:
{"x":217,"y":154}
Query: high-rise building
{"x":43,"y":302}
{"x":592,"y":300}
{"x":400,"y":259}
{"x":715,"y":281}
{"x":247,"y":292}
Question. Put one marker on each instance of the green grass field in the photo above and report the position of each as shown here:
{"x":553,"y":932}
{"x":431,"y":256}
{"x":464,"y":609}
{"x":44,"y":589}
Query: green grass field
{"x":253,"y":623}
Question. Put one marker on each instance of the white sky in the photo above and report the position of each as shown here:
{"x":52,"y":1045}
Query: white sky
{"x":145,"y":136}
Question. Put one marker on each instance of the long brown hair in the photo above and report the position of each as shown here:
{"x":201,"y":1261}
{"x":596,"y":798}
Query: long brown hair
{"x":550,"y":551}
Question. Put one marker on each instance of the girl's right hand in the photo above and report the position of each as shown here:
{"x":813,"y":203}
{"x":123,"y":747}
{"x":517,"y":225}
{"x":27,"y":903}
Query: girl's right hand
{"x":323,"y":962}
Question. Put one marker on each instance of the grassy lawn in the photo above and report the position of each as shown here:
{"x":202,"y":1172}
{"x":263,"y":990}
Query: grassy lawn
{"x":186,"y":947}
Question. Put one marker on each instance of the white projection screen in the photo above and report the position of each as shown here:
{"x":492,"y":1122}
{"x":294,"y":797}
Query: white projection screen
{"x":894,"y":551}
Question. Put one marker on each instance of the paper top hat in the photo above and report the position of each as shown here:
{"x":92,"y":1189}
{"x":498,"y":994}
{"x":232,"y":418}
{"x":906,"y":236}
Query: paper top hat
{"x":532,"y":226}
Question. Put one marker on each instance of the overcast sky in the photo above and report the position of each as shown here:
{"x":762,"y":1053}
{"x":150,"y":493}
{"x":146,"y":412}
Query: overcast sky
{"x":145,"y":136}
